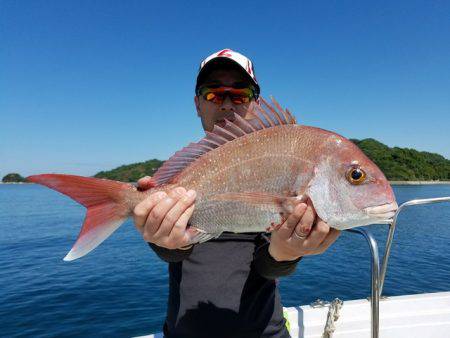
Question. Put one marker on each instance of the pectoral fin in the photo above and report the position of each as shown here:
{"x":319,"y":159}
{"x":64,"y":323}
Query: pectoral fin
{"x":280,"y":202}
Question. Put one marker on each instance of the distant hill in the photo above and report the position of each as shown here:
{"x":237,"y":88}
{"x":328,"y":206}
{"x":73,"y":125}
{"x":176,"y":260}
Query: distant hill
{"x":404,"y":164}
{"x":13,"y":178}
{"x":398,"y":164}
{"x":131,"y":172}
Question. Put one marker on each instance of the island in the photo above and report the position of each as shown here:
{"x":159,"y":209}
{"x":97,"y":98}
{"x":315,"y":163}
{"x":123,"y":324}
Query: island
{"x":13,"y":178}
{"x":400,"y":165}
{"x":131,"y":172}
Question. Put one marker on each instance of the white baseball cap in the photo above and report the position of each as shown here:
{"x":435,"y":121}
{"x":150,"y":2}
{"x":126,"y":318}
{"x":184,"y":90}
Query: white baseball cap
{"x":227,"y":55}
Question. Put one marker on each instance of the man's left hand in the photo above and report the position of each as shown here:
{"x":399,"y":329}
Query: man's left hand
{"x":302,"y":233}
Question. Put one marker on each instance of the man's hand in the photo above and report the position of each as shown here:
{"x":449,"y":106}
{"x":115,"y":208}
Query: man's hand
{"x":162,"y":217}
{"x":300,"y":236}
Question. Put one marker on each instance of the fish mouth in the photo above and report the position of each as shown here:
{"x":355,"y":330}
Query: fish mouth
{"x":383,"y":212}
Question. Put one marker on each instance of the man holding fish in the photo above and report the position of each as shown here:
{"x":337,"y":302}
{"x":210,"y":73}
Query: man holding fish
{"x":226,"y":287}
{"x":208,"y":208}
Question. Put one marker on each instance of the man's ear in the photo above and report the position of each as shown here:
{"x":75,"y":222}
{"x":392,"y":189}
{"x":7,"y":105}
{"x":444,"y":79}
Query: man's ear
{"x":197,"y":104}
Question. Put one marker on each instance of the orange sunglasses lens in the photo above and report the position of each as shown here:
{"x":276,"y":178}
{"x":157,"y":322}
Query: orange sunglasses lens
{"x":218,"y":95}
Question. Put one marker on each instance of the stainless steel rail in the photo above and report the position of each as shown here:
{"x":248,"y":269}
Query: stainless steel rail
{"x":375,"y":298}
{"x":377,"y":275}
{"x":392,"y":226}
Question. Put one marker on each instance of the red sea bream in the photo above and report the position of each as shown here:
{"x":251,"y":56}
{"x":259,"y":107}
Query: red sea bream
{"x":248,"y":175}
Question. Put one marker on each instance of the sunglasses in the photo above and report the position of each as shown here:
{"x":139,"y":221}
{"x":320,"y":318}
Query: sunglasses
{"x":218,"y":94}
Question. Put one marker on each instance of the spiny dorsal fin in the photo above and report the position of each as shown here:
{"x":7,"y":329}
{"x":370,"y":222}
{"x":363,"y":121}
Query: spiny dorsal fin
{"x":265,"y":115}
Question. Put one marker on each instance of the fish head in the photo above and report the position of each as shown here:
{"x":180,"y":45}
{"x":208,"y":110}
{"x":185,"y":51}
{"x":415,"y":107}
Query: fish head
{"x":348,"y":189}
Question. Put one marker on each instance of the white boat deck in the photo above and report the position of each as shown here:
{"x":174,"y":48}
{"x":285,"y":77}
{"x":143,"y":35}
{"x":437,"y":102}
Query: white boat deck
{"x":413,"y":316}
{"x":423,"y":315}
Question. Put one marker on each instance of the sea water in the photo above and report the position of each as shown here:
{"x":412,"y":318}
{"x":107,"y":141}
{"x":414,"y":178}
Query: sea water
{"x":120,"y":289}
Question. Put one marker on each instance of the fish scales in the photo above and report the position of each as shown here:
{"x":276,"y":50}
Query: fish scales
{"x":276,"y":160}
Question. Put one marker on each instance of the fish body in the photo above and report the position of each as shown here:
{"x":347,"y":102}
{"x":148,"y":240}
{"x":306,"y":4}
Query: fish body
{"x":279,"y":162}
{"x":248,"y":176}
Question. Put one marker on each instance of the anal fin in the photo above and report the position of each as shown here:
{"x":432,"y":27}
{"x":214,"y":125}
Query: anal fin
{"x":200,"y":236}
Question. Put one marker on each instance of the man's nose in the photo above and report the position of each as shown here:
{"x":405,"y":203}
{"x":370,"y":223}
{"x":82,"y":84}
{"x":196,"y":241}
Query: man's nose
{"x":227,"y":105}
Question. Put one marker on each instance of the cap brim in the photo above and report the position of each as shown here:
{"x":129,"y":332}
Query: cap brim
{"x":216,"y":63}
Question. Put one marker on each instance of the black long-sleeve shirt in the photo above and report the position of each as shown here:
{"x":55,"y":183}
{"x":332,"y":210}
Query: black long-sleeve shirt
{"x":225,"y":287}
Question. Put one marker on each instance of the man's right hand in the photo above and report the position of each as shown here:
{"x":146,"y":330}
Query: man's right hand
{"x":162,"y":217}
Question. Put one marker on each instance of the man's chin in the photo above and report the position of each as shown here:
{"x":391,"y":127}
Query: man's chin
{"x":220,"y":123}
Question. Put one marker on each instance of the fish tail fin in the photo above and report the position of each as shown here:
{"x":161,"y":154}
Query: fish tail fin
{"x":106,"y":203}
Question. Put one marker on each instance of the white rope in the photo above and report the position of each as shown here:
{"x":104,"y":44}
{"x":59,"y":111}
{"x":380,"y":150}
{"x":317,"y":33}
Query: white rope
{"x":332,"y":317}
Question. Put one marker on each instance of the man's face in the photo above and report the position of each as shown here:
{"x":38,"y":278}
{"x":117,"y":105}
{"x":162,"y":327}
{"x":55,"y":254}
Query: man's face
{"x":212,"y":113}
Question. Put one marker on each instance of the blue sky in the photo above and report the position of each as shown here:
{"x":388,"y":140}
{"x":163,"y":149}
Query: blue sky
{"x":90,"y":85}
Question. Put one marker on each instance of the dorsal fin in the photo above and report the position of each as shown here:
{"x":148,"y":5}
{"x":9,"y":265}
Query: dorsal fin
{"x":265,"y":115}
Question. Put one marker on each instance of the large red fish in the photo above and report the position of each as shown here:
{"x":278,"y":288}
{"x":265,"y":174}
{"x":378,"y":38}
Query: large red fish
{"x":248,"y":175}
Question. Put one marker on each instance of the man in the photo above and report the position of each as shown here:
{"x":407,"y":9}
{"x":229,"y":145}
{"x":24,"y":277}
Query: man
{"x":226,"y":287}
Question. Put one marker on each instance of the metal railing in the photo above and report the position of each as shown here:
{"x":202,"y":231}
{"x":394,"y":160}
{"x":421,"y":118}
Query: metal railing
{"x":392,"y":227}
{"x":377,"y":275}
{"x":375,"y":266}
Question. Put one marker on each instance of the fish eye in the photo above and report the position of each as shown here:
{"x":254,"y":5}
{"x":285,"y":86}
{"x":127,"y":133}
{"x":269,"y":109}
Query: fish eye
{"x":355,"y":175}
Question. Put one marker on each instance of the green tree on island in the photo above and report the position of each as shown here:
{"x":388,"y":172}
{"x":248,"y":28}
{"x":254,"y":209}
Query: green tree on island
{"x":131,"y":172}
{"x":13,"y":178}
{"x":404,"y":164}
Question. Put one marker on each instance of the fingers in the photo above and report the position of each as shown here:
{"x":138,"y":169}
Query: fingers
{"x":162,"y":217}
{"x":312,"y":235}
{"x":142,"y":210}
{"x":291,"y":222}
{"x":321,"y":237}
{"x":306,"y":222}
{"x":171,"y":224}
{"x":318,"y":234}
{"x":159,"y":212}
{"x":178,"y":236}
{"x":329,"y":239}
{"x":144,"y":183}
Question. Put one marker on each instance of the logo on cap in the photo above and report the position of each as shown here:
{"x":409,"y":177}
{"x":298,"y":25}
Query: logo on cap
{"x":240,"y":59}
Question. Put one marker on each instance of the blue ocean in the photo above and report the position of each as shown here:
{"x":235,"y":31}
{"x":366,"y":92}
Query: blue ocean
{"x":120,"y":289}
